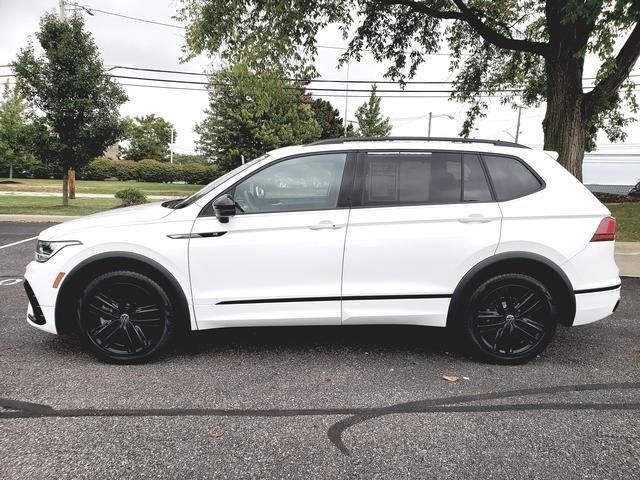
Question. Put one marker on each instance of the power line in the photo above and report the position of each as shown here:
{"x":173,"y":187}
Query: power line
{"x":90,"y":11}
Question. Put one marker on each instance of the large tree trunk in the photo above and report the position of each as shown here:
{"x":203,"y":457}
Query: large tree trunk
{"x":565,"y":122}
{"x":65,"y":188}
{"x":11,"y":171}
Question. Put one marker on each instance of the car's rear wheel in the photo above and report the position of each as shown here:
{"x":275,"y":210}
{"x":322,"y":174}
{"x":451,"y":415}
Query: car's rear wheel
{"x":125,"y":317}
{"x":509,"y":319}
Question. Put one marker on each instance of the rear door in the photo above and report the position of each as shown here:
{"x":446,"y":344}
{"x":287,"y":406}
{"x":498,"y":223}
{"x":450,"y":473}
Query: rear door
{"x":419,"y":221}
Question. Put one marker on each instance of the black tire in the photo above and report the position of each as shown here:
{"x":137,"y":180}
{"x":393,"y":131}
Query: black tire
{"x":125,"y":317}
{"x":509,"y":319}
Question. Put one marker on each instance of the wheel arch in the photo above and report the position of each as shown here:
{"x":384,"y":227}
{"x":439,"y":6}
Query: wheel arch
{"x":537,"y":266}
{"x":111,"y":261}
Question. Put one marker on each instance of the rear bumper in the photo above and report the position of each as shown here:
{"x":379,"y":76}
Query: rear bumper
{"x":596,"y":304}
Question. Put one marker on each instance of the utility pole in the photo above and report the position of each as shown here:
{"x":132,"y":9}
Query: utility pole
{"x":429,"y":129}
{"x":518,"y":124}
{"x":171,"y":146}
{"x":346,"y":103}
{"x":61,"y":7}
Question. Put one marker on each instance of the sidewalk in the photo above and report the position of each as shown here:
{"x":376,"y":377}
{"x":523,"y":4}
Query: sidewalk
{"x":78,"y":195}
{"x":628,"y":258}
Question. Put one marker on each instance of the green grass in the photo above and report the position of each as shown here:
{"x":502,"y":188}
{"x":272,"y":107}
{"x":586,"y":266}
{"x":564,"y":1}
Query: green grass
{"x":53,"y":205}
{"x":628,"y":216}
{"x":97,"y":186}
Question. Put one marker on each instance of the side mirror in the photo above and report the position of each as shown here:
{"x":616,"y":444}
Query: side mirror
{"x":224,"y":207}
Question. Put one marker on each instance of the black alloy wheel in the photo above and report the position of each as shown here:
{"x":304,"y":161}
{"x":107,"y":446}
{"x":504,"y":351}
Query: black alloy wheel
{"x":125,"y":317}
{"x":510,"y":319}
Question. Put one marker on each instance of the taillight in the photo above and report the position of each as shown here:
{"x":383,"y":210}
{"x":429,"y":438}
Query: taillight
{"x":606,"y":231}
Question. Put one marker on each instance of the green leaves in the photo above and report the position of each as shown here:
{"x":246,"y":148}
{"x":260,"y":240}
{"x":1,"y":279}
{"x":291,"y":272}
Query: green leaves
{"x":331,"y":124}
{"x":69,"y":85}
{"x":370,"y":120}
{"x":251,"y":113}
{"x":149,"y":137}
{"x":15,"y":128}
{"x":523,"y":51}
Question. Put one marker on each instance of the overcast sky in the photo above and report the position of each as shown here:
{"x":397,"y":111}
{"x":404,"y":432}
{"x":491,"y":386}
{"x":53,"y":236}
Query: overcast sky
{"x":126,"y":42}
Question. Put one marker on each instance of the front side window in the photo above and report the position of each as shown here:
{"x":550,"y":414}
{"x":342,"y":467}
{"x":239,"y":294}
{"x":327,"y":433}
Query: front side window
{"x":510,"y":177}
{"x":392,"y":178}
{"x":304,"y":183}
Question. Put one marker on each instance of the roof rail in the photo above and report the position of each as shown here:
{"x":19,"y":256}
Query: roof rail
{"x":497,"y":143}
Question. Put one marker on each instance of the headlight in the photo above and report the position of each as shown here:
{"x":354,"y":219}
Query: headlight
{"x":46,"y":250}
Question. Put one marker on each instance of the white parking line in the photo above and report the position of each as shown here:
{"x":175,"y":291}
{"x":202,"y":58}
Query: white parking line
{"x":17,"y":243}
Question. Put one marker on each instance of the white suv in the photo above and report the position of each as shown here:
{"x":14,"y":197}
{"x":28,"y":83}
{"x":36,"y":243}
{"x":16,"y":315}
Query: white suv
{"x":492,"y":239}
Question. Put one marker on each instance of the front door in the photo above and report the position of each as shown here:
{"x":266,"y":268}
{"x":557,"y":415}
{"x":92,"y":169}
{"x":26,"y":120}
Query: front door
{"x":420,"y":221}
{"x":280,"y":261}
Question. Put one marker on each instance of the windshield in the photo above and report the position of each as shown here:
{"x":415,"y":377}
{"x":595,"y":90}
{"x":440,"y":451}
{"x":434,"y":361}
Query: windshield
{"x":217,"y":182}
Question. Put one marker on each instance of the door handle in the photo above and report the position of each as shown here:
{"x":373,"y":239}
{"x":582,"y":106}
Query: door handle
{"x":475,"y":218}
{"x":325,"y":225}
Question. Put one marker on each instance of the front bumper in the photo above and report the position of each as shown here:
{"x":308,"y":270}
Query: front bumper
{"x":38,"y":282}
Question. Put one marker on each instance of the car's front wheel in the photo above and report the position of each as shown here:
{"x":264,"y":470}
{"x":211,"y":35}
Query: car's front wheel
{"x":125,"y":317}
{"x":509,"y":319}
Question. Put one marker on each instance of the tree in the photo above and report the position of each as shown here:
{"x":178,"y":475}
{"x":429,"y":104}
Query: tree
{"x":370,"y":120}
{"x":69,"y":85}
{"x":529,"y":51}
{"x":328,"y":118}
{"x":15,"y":119}
{"x":251,"y":113}
{"x":149,"y":137}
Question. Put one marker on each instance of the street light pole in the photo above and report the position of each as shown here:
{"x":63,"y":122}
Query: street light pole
{"x":518,"y":124}
{"x":429,"y":129}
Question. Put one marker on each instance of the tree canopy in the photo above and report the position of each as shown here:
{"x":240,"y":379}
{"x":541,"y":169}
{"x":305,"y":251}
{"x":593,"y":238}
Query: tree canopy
{"x":524,"y":51}
{"x":251,"y":113}
{"x":371,"y":123}
{"x":328,"y":117}
{"x":148,"y":136}
{"x":68,"y":84}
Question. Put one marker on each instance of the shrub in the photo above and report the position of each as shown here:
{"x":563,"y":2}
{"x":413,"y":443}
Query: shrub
{"x":197,"y":174}
{"x":125,"y":170}
{"x":131,"y":196}
{"x":148,"y":171}
{"x":154,"y":171}
{"x":100,"y":168}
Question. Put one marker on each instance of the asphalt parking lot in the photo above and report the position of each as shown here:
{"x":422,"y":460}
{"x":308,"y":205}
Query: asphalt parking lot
{"x":315,"y":402}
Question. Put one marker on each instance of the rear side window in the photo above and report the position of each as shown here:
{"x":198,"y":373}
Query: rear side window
{"x":392,"y":178}
{"x":476,"y":188}
{"x":510,"y":177}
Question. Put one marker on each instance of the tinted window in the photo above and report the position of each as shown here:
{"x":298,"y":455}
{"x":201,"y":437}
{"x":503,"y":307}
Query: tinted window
{"x":405,"y":178}
{"x":510,"y":177}
{"x":304,"y":183}
{"x":476,"y":188}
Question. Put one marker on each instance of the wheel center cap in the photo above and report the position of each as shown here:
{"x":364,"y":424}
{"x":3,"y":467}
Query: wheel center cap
{"x":124,"y":317}
{"x":510,"y":318}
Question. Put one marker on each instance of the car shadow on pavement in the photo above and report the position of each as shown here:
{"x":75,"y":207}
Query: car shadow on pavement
{"x":346,"y":340}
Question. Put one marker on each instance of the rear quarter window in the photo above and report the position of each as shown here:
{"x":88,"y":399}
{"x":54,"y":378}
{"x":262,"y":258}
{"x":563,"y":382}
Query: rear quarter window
{"x":510,"y":177}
